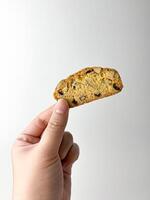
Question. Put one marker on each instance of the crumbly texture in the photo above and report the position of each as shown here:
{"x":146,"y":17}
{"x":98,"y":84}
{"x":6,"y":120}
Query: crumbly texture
{"x":88,"y":84}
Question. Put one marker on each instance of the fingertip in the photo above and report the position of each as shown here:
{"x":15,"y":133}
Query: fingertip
{"x":72,"y":155}
{"x":61,"y":106}
{"x":76,"y":151}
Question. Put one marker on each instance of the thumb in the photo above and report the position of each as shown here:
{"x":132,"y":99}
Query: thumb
{"x":53,"y":134}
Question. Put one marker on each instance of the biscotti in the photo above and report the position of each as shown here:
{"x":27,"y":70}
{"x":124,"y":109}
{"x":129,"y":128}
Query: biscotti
{"x":88,"y":84}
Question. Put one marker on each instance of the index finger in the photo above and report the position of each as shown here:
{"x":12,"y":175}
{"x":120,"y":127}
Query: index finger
{"x":39,"y":123}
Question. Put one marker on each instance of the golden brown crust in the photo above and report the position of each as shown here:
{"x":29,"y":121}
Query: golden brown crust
{"x":88,"y":84}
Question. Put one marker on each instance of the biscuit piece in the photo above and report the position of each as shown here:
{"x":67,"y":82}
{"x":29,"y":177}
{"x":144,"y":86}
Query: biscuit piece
{"x":88,"y":84}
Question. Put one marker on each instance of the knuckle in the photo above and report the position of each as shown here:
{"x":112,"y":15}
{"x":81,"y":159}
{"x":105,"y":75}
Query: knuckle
{"x":55,"y":125}
{"x":40,"y":122}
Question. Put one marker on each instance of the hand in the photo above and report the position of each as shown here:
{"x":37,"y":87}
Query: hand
{"x":43,"y":156}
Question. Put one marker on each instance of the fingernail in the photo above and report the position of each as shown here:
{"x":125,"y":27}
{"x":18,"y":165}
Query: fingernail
{"x":61,"y":106}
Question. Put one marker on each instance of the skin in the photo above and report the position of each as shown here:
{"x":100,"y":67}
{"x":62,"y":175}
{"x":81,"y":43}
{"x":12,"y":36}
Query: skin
{"x":42,"y":157}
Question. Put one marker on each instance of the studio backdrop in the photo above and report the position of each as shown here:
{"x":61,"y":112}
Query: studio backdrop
{"x":44,"y":41}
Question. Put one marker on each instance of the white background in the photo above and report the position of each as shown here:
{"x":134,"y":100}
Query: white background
{"x":43,"y":41}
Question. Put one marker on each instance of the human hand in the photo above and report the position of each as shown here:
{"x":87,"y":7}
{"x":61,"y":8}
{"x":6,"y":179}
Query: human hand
{"x":43,"y":156}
